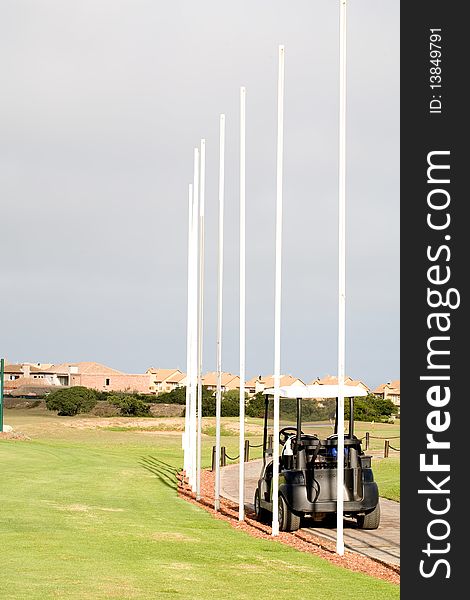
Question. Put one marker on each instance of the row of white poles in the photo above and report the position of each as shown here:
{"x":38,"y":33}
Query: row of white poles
{"x":192,"y":437}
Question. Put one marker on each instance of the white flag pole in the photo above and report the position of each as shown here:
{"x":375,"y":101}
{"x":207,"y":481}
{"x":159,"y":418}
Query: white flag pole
{"x":277,"y":297}
{"x":194,"y":353}
{"x":241,"y":478}
{"x":218,"y":402}
{"x":185,"y":435}
{"x":341,"y":279}
{"x":202,"y":183}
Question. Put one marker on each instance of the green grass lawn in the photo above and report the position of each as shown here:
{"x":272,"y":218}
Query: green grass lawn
{"x":93,"y":514}
{"x":387,"y":475}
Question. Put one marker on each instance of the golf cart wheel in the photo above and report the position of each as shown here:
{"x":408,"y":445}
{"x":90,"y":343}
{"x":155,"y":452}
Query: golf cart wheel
{"x":288,"y":521}
{"x":260,"y":513}
{"x":370,"y":520}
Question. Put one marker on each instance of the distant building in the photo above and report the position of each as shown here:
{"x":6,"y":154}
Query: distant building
{"x":229,"y":381}
{"x":165,"y":380}
{"x":88,"y":374}
{"x":262,"y":382}
{"x":100,"y":377}
{"x":389,"y":390}
{"x":333,"y":380}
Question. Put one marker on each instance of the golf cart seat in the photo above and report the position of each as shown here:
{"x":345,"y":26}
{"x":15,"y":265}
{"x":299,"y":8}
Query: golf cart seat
{"x":311,"y":444}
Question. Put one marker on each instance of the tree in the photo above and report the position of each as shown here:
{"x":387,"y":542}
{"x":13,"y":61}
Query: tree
{"x":71,"y":401}
{"x":255,"y":406}
{"x":231,"y":403}
{"x":371,"y":408}
{"x":130,"y":405}
{"x":176,"y":396}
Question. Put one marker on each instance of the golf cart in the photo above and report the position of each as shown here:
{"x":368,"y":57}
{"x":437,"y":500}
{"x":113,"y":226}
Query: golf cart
{"x":308,"y":468}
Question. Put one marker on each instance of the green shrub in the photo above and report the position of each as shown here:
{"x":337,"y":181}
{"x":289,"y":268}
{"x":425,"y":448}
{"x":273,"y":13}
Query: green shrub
{"x":312,"y":410}
{"x":231,"y":403}
{"x":130,"y":405}
{"x":371,"y":408}
{"x":176,"y":396}
{"x":71,"y":401}
{"x":255,"y":406}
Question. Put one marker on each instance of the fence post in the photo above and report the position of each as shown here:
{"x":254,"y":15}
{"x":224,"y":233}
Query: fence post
{"x":213,"y":459}
{"x":270,"y":443}
{"x":367,"y":440}
{"x":223,"y":456}
{"x":386,"y":448}
{"x":247,"y":451}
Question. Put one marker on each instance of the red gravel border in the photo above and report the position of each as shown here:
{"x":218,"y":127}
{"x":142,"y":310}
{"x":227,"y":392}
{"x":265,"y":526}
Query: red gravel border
{"x":300,"y":540}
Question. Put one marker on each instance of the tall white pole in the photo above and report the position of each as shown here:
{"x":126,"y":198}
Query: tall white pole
{"x":278,"y":287}
{"x":218,"y":402}
{"x":194,"y":353}
{"x":185,"y":435}
{"x":241,"y":478}
{"x":202,"y":188}
{"x":341,"y":278}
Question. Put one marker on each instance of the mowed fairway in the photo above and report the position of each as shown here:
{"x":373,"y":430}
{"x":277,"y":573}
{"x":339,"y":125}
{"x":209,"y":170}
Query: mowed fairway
{"x":87,"y":513}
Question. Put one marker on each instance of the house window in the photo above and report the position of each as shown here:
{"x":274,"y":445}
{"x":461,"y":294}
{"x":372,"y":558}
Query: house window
{"x":107,"y":382}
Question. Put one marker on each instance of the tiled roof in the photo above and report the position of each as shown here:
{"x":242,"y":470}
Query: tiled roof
{"x":227,"y":378}
{"x":333,"y":380}
{"x":169,"y":375}
{"x":393,"y":386}
{"x":18,"y":368}
{"x":268,"y":380}
{"x":21,"y":381}
{"x":88,"y":368}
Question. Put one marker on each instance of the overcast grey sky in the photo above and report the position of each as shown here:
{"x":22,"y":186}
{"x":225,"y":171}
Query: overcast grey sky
{"x":101,"y":104}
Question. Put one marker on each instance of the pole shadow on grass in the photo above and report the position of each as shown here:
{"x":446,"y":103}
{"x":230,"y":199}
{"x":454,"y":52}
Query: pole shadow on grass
{"x":166,"y":473}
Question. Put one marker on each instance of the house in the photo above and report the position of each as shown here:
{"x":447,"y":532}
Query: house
{"x":389,"y":390}
{"x":333,"y":380}
{"x":88,"y":374}
{"x":260,"y":383}
{"x":229,"y":381}
{"x":165,"y":380}
{"x":100,"y":377}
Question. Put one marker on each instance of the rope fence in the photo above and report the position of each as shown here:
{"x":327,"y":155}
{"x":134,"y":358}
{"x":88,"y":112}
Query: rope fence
{"x":367,"y":437}
{"x":224,"y":456}
{"x":387,"y":445}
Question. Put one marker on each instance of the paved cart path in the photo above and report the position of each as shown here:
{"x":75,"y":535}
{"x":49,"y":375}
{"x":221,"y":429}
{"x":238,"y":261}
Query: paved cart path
{"x":382,"y":543}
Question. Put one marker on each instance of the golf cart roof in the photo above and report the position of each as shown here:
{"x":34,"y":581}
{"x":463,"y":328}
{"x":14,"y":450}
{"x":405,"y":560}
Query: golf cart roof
{"x":317,"y":391}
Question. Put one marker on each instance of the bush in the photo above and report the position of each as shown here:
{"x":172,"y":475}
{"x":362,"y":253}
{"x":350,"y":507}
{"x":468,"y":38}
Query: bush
{"x":255,"y":406}
{"x":371,"y":408}
{"x":130,"y":405}
{"x":71,"y":401}
{"x":231,"y":403}
{"x":311,"y":410}
{"x":176,"y":396}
